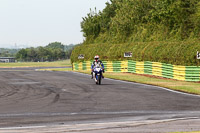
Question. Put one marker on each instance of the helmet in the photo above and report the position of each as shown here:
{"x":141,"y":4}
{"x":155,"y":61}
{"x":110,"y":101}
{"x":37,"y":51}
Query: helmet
{"x":96,"y":57}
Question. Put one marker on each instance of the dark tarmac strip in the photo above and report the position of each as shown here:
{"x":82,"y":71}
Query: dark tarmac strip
{"x":42,"y":98}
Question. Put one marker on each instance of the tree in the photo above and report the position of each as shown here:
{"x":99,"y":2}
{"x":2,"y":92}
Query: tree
{"x":142,"y":20}
{"x":52,"y":52}
{"x":55,"y":45}
{"x":22,"y":55}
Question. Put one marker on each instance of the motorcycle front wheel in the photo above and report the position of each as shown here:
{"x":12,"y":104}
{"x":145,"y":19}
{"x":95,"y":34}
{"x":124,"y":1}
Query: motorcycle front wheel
{"x":99,"y":79}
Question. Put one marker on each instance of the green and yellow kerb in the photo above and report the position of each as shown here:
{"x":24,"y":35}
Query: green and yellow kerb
{"x":183,"y":73}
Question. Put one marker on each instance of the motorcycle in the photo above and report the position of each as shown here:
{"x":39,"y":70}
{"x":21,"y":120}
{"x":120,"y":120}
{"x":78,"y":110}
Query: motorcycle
{"x":98,"y":75}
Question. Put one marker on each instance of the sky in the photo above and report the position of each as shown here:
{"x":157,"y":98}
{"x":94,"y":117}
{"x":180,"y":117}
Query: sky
{"x":35,"y":23}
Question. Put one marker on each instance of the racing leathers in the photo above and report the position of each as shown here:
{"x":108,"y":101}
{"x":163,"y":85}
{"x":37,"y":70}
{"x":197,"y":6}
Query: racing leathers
{"x":97,"y":63}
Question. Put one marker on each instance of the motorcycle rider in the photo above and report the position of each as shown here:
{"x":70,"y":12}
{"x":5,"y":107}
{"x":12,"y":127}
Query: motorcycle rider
{"x":95,"y":63}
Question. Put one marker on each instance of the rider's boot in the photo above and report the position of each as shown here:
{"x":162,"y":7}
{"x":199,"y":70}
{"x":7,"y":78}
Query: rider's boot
{"x":102,"y":74}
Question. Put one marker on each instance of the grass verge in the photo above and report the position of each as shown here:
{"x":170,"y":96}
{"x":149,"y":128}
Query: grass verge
{"x":188,"y":132}
{"x":183,"y":86}
{"x":63,"y":63}
{"x":57,"y":69}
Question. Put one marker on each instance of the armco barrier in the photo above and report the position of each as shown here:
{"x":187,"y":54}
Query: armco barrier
{"x":184,"y":73}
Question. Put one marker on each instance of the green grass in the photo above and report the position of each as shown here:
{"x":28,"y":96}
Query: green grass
{"x":188,"y":132}
{"x":63,"y":63}
{"x":57,"y":69}
{"x":183,"y":86}
{"x":177,"y":53}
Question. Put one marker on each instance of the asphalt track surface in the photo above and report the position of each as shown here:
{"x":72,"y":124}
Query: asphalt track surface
{"x":38,"y":98}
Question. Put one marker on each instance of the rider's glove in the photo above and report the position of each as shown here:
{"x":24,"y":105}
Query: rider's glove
{"x":103,"y":70}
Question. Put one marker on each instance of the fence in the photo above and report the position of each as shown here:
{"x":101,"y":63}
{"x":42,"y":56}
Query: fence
{"x":184,"y":73}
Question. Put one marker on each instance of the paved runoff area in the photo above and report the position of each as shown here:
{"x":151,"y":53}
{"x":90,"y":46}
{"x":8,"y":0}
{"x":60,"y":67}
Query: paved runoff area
{"x":44,"y":101}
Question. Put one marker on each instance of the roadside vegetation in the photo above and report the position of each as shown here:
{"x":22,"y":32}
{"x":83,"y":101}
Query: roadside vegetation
{"x":57,"y":69}
{"x":176,"y":53}
{"x":188,"y":132}
{"x":166,"y":31}
{"x":182,"y":86}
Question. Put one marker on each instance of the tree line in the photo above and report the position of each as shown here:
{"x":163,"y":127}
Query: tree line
{"x":6,"y":52}
{"x":52,"y":52}
{"x":124,"y":21}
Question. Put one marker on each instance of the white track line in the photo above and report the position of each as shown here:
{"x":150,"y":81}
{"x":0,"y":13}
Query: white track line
{"x":97,"y":126}
{"x":157,"y":87}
